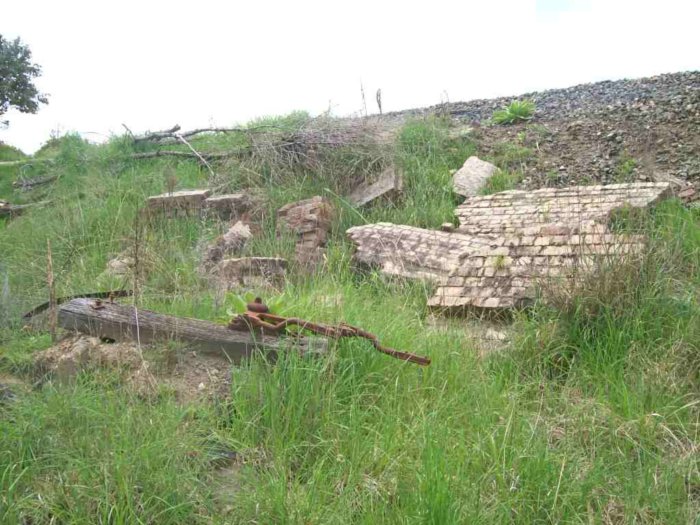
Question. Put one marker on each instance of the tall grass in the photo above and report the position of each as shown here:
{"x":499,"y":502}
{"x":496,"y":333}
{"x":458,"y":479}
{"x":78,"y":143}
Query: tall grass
{"x":591,"y":415}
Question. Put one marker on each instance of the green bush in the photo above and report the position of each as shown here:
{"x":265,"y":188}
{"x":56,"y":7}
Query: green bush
{"x":516,"y":111}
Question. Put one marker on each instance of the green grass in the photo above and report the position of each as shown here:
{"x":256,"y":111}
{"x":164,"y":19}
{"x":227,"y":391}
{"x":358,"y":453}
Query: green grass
{"x":624,"y":171}
{"x":516,"y":111}
{"x":9,"y":153}
{"x":500,"y":181}
{"x":591,"y":414}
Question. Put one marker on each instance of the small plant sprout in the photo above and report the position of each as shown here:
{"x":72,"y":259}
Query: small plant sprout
{"x":500,"y":262}
{"x":516,"y":111}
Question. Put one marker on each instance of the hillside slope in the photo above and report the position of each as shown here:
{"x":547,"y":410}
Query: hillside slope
{"x":586,"y":133}
{"x":583,"y":408}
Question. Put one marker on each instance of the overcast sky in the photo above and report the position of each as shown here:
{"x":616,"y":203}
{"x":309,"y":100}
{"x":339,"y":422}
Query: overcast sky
{"x":151,"y":64}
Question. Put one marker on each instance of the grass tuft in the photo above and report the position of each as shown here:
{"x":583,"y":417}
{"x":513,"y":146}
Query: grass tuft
{"x":516,"y":111}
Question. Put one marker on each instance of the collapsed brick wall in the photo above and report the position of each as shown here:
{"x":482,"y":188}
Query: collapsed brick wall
{"x":310,"y":220}
{"x":508,"y":246}
{"x":412,"y":252}
{"x":506,"y":273}
{"x":515,"y":211}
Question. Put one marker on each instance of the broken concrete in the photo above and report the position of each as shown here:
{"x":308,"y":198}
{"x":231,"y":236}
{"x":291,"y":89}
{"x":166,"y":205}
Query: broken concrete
{"x":508,"y":244}
{"x":310,"y":220}
{"x":229,"y":244}
{"x":388,"y":185}
{"x":185,"y":203}
{"x":250,"y":273}
{"x":469,"y":179}
{"x":229,"y":207}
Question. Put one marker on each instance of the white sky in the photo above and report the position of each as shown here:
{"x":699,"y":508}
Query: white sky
{"x":151,"y":64}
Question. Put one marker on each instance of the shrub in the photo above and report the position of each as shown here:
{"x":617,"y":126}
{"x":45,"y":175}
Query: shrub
{"x":516,"y":111}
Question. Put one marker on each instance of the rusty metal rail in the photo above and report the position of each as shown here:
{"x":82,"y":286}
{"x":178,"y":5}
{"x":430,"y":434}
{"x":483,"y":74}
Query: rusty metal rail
{"x":257,"y":316}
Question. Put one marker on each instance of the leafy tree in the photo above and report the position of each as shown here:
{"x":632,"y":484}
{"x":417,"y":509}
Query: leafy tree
{"x":17,"y":73}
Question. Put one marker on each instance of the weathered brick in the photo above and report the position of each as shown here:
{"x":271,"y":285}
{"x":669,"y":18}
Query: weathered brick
{"x":508,"y":242}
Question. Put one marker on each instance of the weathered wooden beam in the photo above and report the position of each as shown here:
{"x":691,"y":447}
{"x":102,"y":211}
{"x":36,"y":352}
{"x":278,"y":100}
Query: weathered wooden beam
{"x":121,"y":322}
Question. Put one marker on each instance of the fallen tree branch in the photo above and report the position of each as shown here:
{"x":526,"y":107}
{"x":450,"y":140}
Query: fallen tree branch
{"x":12,"y":210}
{"x":188,"y":154}
{"x":28,"y":184}
{"x":172,"y":135}
{"x":201,"y":159}
{"x":155,"y":135}
{"x":25,"y":161}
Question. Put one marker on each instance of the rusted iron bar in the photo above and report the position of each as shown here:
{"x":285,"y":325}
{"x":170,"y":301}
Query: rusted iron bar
{"x":258,"y":316}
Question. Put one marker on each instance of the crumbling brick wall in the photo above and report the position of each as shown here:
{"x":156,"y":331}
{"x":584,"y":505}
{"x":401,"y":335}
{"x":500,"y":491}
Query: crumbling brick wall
{"x":509,"y":243}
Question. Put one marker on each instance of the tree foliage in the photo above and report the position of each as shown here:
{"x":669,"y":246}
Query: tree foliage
{"x":17,"y":74}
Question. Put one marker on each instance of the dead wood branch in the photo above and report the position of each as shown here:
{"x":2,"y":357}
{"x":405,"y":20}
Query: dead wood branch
{"x":201,"y":159}
{"x":28,"y":184}
{"x":25,"y":161}
{"x":173,"y":135}
{"x":190,"y":155}
{"x":12,"y":210}
{"x":155,"y":136}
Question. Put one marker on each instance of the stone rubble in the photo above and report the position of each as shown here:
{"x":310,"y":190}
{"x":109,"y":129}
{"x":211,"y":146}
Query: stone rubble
{"x":468,"y":180}
{"x":120,"y":266}
{"x":587,"y":134}
{"x":509,"y":243}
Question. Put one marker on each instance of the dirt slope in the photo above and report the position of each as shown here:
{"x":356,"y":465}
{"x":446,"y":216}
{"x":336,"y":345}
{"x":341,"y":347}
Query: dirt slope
{"x":613,"y":131}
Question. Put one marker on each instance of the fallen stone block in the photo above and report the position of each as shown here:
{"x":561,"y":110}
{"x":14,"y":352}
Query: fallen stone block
{"x":389,"y":185}
{"x":250,"y":273}
{"x":310,"y":220}
{"x":185,"y":203}
{"x":469,"y":179}
{"x":508,"y":272}
{"x":229,"y":244}
{"x":229,"y":207}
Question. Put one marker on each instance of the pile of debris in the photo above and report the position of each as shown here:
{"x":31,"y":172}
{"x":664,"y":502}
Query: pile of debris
{"x":509,"y":243}
{"x":74,"y":354}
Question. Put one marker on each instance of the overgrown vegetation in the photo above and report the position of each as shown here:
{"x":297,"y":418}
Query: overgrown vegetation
{"x":591,"y":414}
{"x":516,"y":111}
